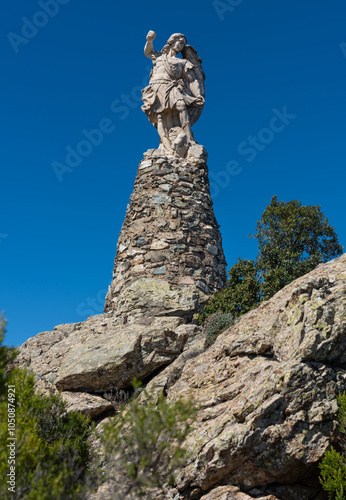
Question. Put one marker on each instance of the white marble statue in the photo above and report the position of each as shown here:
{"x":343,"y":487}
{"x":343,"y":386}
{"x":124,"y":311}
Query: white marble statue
{"x":174,"y":98}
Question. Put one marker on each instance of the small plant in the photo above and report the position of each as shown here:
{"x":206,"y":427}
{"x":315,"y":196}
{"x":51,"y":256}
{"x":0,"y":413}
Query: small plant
{"x":216,"y":324}
{"x":143,"y":443}
{"x":117,"y":397}
{"x":333,"y":464}
{"x":333,"y":474}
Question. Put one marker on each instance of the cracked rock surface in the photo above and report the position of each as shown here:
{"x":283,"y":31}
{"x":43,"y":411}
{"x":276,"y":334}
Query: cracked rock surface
{"x":267,"y":392}
{"x":99,"y":354}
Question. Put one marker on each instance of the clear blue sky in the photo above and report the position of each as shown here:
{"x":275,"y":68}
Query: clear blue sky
{"x":58,"y":239}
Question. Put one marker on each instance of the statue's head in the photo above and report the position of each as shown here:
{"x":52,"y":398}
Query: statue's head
{"x":177,"y":41}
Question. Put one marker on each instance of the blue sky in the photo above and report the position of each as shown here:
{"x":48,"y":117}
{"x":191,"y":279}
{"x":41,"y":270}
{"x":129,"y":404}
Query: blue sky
{"x":273,"y":123}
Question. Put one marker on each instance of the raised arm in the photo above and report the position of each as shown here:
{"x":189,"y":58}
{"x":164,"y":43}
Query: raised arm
{"x":149,"y":48}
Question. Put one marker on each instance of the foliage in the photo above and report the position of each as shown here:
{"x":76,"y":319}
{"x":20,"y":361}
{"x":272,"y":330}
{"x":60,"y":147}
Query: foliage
{"x":216,"y":324}
{"x":333,"y":474}
{"x":145,"y":440}
{"x":53,"y":457}
{"x":333,"y":464}
{"x":293,"y":239}
{"x":7,"y":355}
{"x":3,"y":355}
{"x":342,"y":412}
{"x":241,"y":293}
{"x":52,"y":451}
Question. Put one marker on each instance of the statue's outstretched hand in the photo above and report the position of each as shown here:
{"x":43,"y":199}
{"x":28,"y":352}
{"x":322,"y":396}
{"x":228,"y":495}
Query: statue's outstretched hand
{"x":151,"y":36}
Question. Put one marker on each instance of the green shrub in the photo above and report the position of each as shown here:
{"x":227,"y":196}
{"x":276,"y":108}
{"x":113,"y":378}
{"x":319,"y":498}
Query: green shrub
{"x":216,"y":324}
{"x":333,"y":464}
{"x":52,"y":451}
{"x":241,"y":293}
{"x":292,"y":241}
{"x":333,"y":474}
{"x":144,"y":442}
{"x":342,"y":412}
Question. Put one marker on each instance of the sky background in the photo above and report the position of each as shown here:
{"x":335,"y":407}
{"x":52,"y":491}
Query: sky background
{"x":58,"y":233}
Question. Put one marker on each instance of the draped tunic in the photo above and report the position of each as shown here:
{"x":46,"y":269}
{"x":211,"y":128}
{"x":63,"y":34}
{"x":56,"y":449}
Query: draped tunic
{"x":167,"y":86}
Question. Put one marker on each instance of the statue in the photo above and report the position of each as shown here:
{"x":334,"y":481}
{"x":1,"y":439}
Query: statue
{"x":174,"y":98}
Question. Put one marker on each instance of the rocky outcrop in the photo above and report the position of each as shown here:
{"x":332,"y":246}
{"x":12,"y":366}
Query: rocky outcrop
{"x":170,"y":232}
{"x":267,"y":392}
{"x":146,"y":332}
{"x":134,"y":350}
{"x":169,"y":260}
{"x":90,"y":405}
{"x":99,"y":355}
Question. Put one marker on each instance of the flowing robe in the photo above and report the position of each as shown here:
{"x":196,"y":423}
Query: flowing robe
{"x":168,"y":84}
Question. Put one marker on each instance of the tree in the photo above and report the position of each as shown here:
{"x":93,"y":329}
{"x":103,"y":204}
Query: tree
{"x":292,"y":240}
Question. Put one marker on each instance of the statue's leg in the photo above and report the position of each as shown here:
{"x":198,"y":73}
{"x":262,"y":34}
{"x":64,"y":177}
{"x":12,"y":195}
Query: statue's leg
{"x":168,"y":122}
{"x":162,"y":133}
{"x":184,"y":119}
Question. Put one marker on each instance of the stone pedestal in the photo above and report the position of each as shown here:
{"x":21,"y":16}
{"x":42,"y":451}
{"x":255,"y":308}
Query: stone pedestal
{"x":170,"y":232}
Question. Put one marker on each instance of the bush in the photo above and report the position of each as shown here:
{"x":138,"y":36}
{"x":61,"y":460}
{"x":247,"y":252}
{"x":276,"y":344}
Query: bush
{"x":333,"y":464}
{"x":52,"y":451}
{"x":216,"y":324}
{"x":333,"y":474}
{"x":240,"y":295}
{"x":143,"y":443}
